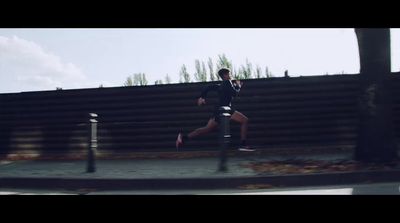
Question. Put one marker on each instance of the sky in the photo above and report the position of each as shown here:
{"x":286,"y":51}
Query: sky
{"x":45,"y":59}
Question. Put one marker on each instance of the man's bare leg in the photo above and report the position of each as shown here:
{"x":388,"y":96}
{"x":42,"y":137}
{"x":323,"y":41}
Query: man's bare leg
{"x":244,"y":121}
{"x":211,"y":125}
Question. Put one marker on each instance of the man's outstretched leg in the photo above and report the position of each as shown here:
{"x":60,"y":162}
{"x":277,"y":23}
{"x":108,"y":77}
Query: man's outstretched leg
{"x":211,"y":125}
{"x":244,"y":121}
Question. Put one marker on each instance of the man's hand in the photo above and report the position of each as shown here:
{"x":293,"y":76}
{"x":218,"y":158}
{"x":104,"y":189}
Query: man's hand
{"x":201,"y":101}
{"x":238,"y":83}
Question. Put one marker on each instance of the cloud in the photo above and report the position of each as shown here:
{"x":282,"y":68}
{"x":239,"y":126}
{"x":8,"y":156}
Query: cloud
{"x":30,"y":67}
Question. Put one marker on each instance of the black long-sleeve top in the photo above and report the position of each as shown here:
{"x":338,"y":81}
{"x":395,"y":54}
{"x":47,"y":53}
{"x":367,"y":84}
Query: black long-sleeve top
{"x":226,"y":91}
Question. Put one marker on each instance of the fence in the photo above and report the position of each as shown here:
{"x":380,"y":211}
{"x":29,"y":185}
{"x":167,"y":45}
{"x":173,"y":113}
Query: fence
{"x":283,"y":112}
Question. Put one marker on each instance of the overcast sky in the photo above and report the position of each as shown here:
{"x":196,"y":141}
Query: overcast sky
{"x":43,"y":59}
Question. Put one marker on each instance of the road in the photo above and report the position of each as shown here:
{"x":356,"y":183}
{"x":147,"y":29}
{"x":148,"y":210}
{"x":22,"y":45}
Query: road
{"x":359,"y":189}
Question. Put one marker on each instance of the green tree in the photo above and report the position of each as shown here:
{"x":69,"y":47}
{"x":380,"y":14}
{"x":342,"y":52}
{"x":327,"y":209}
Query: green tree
{"x":247,"y":70}
{"x":200,"y":74}
{"x":267,"y":72}
{"x":223,"y":62}
{"x":128,"y":82}
{"x":184,"y":76}
{"x":240,"y":74}
{"x":258,"y":72}
{"x":211,"y":69}
{"x":167,"y":79}
{"x":140,"y":79}
{"x":204,"y":70}
{"x":158,"y":82}
{"x":243,"y":72}
{"x":137,"y":79}
{"x":235,"y":74}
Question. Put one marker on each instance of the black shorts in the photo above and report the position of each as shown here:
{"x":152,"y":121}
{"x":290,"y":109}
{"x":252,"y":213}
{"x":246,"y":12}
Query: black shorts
{"x":215,"y":114}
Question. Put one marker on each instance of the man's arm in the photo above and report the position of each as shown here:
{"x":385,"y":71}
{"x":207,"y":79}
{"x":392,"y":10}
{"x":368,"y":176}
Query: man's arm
{"x":201,"y":100}
{"x":230,"y":88}
{"x":209,"y":88}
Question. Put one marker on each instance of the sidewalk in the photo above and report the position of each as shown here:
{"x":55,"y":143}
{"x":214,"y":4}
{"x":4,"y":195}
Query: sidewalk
{"x":190,"y":173}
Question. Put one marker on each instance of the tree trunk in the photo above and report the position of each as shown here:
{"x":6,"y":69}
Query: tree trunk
{"x":376,"y":139}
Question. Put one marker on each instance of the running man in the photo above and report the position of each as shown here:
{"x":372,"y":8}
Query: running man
{"x":226,"y":91}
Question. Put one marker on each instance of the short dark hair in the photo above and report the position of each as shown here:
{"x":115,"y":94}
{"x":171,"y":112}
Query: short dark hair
{"x":223,"y":71}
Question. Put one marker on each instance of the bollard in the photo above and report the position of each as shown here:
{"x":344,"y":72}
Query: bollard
{"x":91,"y":165}
{"x":224,"y":136}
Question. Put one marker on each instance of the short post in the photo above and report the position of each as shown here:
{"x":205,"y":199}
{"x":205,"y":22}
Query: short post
{"x":224,"y":135}
{"x":91,"y":165}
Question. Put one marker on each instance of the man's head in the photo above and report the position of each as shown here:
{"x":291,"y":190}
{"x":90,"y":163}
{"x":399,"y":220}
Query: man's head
{"x":224,"y":73}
